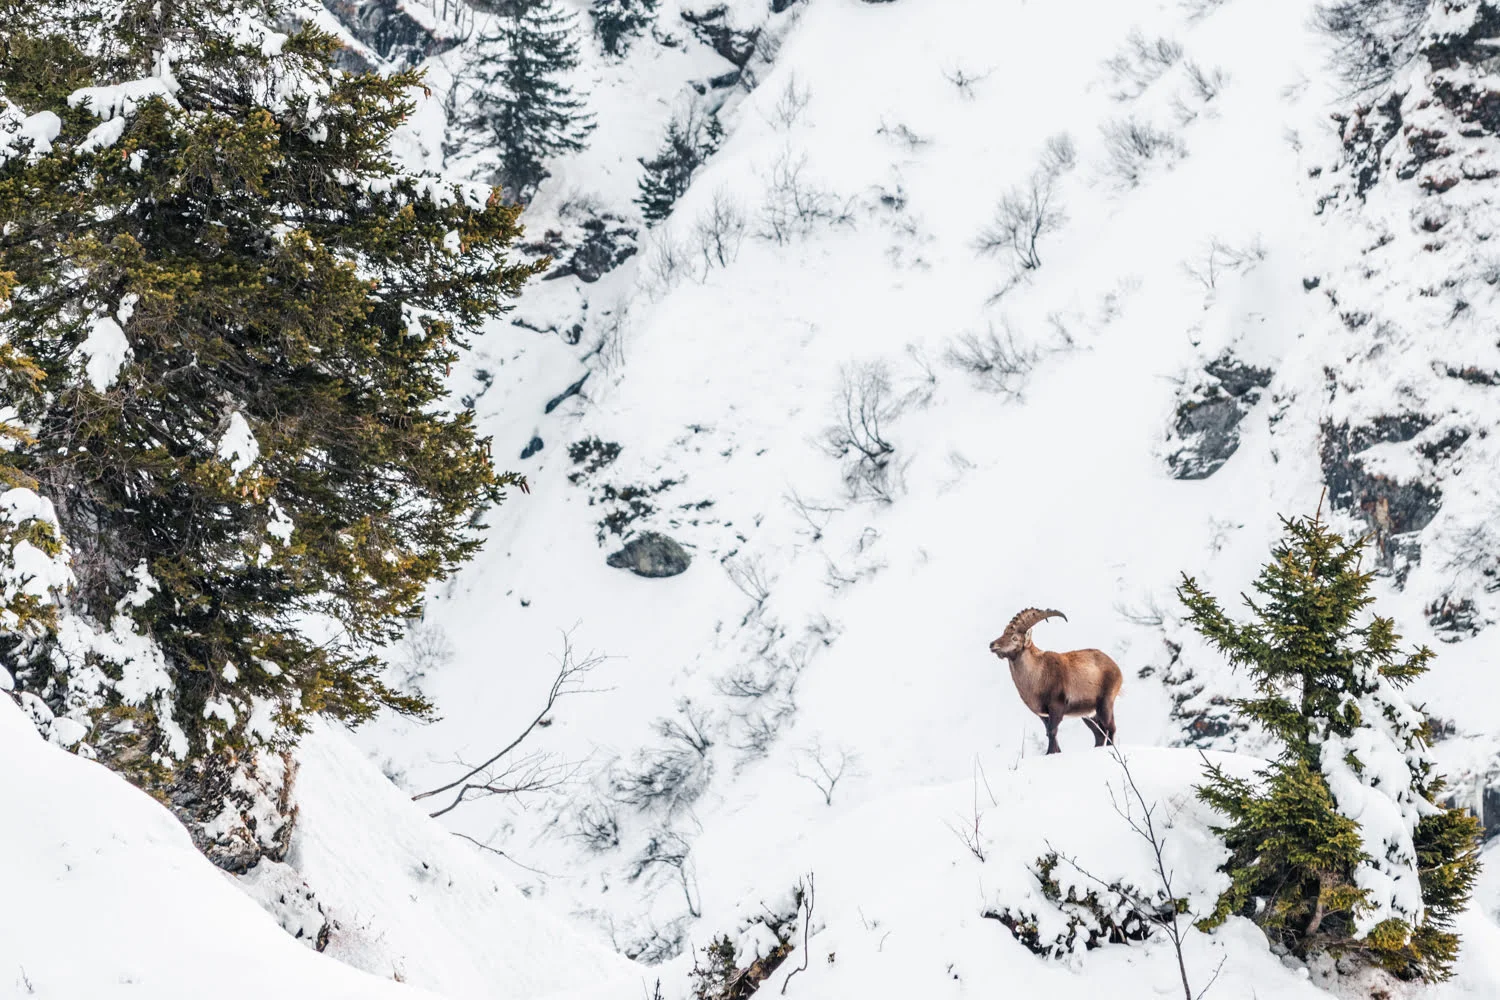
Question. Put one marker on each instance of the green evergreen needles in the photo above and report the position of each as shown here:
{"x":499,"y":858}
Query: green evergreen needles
{"x":1338,"y":847}
{"x":527,"y":113}
{"x":229,"y":321}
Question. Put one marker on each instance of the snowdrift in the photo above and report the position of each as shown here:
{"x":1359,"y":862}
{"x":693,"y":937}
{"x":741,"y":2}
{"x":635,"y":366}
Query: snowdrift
{"x":412,"y":900}
{"x":904,"y":883}
{"x":105,"y":896}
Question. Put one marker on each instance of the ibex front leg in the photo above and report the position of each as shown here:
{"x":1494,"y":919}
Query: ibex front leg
{"x":1053,"y":719}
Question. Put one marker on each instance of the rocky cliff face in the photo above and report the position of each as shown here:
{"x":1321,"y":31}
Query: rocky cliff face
{"x":390,"y":32}
{"x":1413,"y":369}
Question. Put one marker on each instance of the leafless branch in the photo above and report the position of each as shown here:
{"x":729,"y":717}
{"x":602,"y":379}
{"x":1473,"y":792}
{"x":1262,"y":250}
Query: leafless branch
{"x":1140,"y":63}
{"x":720,"y":232}
{"x":534,"y":771}
{"x":1140,"y":816}
{"x":822,"y":770}
{"x":902,"y":135}
{"x":816,"y":517}
{"x":964,"y":81}
{"x":807,"y":897}
{"x":790,"y":104}
{"x":750,"y":578}
{"x":865,"y":405}
{"x":997,"y":363}
{"x":495,"y":850}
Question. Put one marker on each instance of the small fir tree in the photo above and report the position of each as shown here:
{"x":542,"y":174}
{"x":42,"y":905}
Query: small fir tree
{"x":616,"y":22}
{"x":525,"y":112}
{"x":230,"y":316}
{"x":1338,"y":845}
{"x":687,"y":144}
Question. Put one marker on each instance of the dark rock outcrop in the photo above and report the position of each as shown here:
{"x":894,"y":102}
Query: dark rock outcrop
{"x":711,"y":26}
{"x":651,"y":555}
{"x":1208,"y":419}
{"x":392,"y":34}
{"x":1394,"y":509}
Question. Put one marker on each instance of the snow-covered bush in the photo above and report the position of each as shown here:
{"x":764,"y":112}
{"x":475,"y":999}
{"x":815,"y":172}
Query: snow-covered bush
{"x":1337,"y":845}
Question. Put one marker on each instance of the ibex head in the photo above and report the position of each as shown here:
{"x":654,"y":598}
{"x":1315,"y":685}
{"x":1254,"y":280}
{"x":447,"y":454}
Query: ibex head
{"x":1014,"y":638}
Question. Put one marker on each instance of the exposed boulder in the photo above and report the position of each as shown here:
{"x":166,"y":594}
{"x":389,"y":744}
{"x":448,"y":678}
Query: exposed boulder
{"x":1396,"y":508}
{"x":651,"y":555}
{"x":587,"y":245}
{"x":712,"y":27}
{"x":391,"y":33}
{"x":1206,"y":430}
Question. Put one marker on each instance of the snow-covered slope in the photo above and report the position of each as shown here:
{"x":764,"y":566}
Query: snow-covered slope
{"x":105,"y":896}
{"x":411,"y":901}
{"x":1071,"y":424}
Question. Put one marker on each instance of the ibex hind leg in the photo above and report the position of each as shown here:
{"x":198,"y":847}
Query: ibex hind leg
{"x":1102,"y":724}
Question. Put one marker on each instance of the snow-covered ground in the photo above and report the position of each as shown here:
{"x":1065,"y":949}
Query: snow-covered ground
{"x":106,"y":896}
{"x":863,"y":619}
{"x":813,"y":700}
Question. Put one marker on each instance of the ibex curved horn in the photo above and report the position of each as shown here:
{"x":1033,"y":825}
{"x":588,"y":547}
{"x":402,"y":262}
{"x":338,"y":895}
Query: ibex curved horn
{"x":1026,"y":619}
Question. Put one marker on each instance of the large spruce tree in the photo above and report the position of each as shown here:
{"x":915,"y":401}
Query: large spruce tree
{"x":522,"y":109}
{"x":1339,"y":845}
{"x":228,"y":320}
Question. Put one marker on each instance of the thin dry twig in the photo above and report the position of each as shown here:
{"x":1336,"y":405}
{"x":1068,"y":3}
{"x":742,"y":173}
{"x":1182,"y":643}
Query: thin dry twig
{"x":533,"y":772}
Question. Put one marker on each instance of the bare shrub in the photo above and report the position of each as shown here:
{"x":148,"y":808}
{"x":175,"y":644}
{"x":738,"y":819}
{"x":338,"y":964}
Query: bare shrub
{"x":508,"y":773}
{"x":1219,"y":259}
{"x":598,"y":826}
{"x":667,"y":258}
{"x":1206,"y":84}
{"x":824,"y":768}
{"x":747,"y":681}
{"x":668,"y":849}
{"x":964,"y":81}
{"x":794,"y":204}
{"x":720,"y":231}
{"x":997,"y":363}
{"x":1059,"y":155}
{"x":866,"y":404}
{"x":1199,"y":9}
{"x":790,"y":105}
{"x":814,"y":516}
{"x":673,"y":774}
{"x":1373,"y":39}
{"x":1140,"y":63}
{"x":900,"y":134}
{"x":424,"y":649}
{"x":1023,"y":216}
{"x":750,"y":578}
{"x":1133,"y":146}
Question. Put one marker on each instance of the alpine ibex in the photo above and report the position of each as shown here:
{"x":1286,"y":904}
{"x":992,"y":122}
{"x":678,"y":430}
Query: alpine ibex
{"x":1056,"y":686}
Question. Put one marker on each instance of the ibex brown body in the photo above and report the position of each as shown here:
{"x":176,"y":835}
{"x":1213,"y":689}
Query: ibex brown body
{"x":1056,"y":686}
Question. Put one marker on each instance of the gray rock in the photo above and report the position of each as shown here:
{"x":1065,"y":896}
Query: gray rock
{"x":1208,"y":420}
{"x":1393,"y":509}
{"x":652,"y":555}
{"x":388,"y":30}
